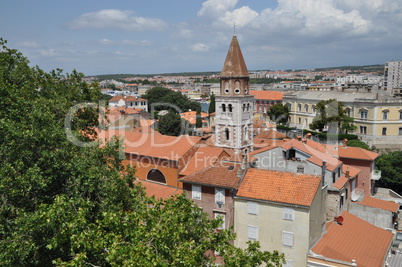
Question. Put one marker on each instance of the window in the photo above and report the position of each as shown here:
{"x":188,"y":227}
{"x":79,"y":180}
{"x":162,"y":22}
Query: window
{"x":363,"y":114}
{"x":363,"y":129}
{"x":348,"y":112}
{"x":385,"y":115}
{"x":306,"y":107}
{"x":333,"y":177}
{"x":156,"y":175}
{"x":230,"y":107}
{"x":220,"y":195}
{"x":288,"y":214}
{"x":384,"y":131}
{"x":299,"y":107}
{"x":222,"y":216}
{"x":196,"y":191}
{"x":313,"y":108}
{"x":248,"y":106}
{"x":400,"y":131}
{"x":223,"y":107}
{"x":400,"y":115}
{"x":227,"y":133}
{"x":252,"y":232}
{"x":300,"y":169}
{"x":252,"y":207}
{"x":237,"y":91}
{"x":287,"y":239}
{"x":244,"y":107}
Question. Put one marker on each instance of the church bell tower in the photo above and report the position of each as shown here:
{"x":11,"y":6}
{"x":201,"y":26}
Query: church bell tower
{"x":234,"y":106}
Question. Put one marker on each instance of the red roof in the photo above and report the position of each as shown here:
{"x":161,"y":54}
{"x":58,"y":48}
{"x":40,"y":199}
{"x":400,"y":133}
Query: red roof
{"x":379,"y":203}
{"x":126,"y":98}
{"x":267,"y":95}
{"x":279,"y":186}
{"x":159,"y":190}
{"x":204,"y":157}
{"x":354,"y":239}
{"x":270,"y":134}
{"x":352,"y":152}
{"x":341,"y":182}
{"x":153,"y":145}
{"x":224,"y":174}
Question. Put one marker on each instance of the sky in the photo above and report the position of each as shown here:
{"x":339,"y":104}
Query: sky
{"x":161,"y":36}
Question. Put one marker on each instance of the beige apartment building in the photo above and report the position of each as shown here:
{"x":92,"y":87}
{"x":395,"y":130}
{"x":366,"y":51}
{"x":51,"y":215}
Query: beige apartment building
{"x":377,"y":116}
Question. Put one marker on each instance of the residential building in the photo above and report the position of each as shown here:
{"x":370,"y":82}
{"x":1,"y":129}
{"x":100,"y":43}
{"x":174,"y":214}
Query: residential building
{"x":234,"y":104}
{"x":284,"y":211}
{"x":393,"y":77}
{"x":213,"y":190}
{"x":265,"y":99}
{"x":378,"y":117}
{"x":351,"y":241}
{"x":129,"y":102}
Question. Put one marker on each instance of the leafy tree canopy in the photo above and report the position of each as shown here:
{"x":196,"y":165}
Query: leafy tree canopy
{"x":161,"y":98}
{"x":391,"y":170}
{"x":328,"y":111}
{"x":279,"y":113}
{"x":211,"y":108}
{"x":358,"y":143}
{"x":69,"y":205}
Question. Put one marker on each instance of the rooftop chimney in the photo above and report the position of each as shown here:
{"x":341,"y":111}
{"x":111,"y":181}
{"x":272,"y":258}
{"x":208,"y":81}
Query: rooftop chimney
{"x":308,"y":135}
{"x":324,"y":164}
{"x":298,"y":138}
{"x":347,"y":172}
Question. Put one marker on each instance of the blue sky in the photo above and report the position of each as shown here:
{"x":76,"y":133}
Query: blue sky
{"x":160,"y":36}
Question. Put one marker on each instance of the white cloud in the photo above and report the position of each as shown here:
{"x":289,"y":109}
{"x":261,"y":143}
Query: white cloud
{"x":200,"y":47}
{"x":30,"y":44}
{"x":137,"y":43}
{"x":240,"y":17}
{"x":117,"y":19}
{"x":106,"y":42}
{"x":215,"y":8}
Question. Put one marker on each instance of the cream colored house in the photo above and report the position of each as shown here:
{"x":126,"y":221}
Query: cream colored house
{"x":377,"y":116}
{"x":284,"y":211}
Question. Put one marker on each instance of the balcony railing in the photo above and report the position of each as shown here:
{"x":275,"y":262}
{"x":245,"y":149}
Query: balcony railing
{"x":376,"y":175}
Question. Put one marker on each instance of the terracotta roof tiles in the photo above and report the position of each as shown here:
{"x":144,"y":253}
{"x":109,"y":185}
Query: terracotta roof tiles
{"x":267,"y":95}
{"x":380,"y":204}
{"x":159,"y":190}
{"x":279,"y":186}
{"x":354,"y":239}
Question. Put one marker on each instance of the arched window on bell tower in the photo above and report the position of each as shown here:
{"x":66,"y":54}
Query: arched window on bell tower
{"x":244,"y":107}
{"x":223,"y":108}
{"x":248,"y":106}
{"x":230,"y":107}
{"x":227,"y":133}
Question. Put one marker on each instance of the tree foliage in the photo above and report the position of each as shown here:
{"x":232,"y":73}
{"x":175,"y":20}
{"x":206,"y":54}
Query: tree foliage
{"x":69,"y":205}
{"x":161,"y":98}
{"x":328,"y":111}
{"x":358,"y":143}
{"x":279,"y":113}
{"x":391,"y":170}
{"x":211,"y":108}
{"x":171,"y":124}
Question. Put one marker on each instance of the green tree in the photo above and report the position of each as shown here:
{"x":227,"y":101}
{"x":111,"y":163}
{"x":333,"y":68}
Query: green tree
{"x":347,"y":125}
{"x":170,"y":100}
{"x":69,"y":205}
{"x":328,"y":111}
{"x":211,"y":108}
{"x":170,"y":124}
{"x":279,"y":113}
{"x":391,"y":170}
{"x":198,"y":120}
{"x":358,"y":143}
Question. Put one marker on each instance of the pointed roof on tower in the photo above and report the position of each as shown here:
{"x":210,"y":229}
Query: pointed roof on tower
{"x":234,"y":63}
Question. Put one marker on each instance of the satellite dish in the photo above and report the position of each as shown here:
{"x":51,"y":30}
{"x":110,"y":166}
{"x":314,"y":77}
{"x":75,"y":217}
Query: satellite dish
{"x":339,"y":220}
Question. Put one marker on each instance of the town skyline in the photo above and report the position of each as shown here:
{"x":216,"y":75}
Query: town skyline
{"x":181,"y":36}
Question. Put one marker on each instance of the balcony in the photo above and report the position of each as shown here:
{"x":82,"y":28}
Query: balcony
{"x":376,"y":175}
{"x":357,"y":195}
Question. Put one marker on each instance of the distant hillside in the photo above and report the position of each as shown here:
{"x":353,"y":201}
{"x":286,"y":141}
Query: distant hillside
{"x":354,"y":69}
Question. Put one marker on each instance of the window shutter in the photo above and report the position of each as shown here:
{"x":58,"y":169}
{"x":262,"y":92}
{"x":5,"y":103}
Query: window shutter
{"x":287,"y":239}
{"x":220,"y":195}
{"x":252,"y":232}
{"x":252,"y":207}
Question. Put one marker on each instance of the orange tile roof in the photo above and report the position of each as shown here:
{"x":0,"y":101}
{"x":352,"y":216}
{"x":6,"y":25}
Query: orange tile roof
{"x":341,"y":182}
{"x":153,"y":145}
{"x":192,"y":114}
{"x":352,"y":152}
{"x":203,"y":158}
{"x":267,"y":95}
{"x":159,"y":190}
{"x":270,"y":134}
{"x":223,"y":174}
{"x":355,"y":239}
{"x":127,"y":98}
{"x":353,"y":171}
{"x":279,"y":186}
{"x":379,"y":203}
